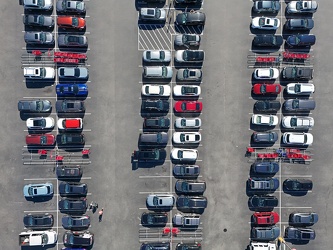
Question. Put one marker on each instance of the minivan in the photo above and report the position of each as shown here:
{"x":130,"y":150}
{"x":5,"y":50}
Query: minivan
{"x":299,"y":105}
{"x":301,"y":40}
{"x":158,"y":72}
{"x":153,"y":139}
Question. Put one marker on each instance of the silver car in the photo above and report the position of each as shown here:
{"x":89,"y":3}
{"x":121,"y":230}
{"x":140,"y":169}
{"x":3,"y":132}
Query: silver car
{"x":38,"y":37}
{"x":187,"y":123}
{"x":189,"y":75}
{"x":157,"y":56}
{"x":38,"y":21}
{"x":160,"y":200}
{"x":157,"y":72}
{"x":187,"y":40}
{"x":72,"y":41}
{"x":186,"y":220}
{"x":67,"y":6}
{"x":73,"y":72}
{"x":152,"y":14}
{"x":33,"y":190}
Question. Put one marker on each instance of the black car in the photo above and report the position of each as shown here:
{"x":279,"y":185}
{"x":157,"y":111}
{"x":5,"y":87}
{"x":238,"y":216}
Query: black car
{"x":299,"y":234}
{"x":38,"y":221}
{"x":191,"y":18}
{"x":188,"y":246}
{"x":70,"y":106}
{"x":265,"y":167}
{"x":191,"y":204}
{"x":70,"y":139}
{"x":155,"y":246}
{"x":34,"y":106}
{"x":186,"y":171}
{"x":190,"y":187}
{"x":299,"y":24}
{"x":38,"y":21}
{"x":154,"y":219}
{"x":188,"y":1}
{"x":297,"y":73}
{"x":263,"y":203}
{"x":156,"y":122}
{"x":149,"y":155}
{"x":303,"y":219}
{"x":266,"y":6}
{"x":267,"y":105}
{"x":158,"y":105}
{"x":80,"y":222}
{"x":301,"y":40}
{"x":69,"y":172}
{"x":267,"y":41}
{"x":268,"y":137}
{"x":71,"y":206}
{"x":190,"y":56}
{"x":73,"y":189}
{"x":297,"y":185}
{"x":78,"y":239}
{"x":159,"y":139}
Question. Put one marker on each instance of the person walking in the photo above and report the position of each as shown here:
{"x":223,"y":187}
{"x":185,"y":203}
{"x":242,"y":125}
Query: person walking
{"x":100,"y":214}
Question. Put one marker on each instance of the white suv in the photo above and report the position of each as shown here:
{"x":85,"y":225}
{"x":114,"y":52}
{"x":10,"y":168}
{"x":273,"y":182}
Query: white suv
{"x":300,"y":88}
{"x":298,"y":138}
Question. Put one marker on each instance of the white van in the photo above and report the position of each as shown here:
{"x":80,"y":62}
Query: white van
{"x":158,"y":72}
{"x":262,"y":246}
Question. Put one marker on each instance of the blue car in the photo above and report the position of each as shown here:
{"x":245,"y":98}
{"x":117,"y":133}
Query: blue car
{"x":70,"y":89}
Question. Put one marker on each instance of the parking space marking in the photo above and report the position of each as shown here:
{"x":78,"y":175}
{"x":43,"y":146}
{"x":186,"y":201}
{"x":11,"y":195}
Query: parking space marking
{"x":156,"y":192}
{"x":296,"y":208}
{"x":40,"y":211}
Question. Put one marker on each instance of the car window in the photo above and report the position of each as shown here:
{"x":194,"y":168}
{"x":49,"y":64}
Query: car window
{"x":75,"y":21}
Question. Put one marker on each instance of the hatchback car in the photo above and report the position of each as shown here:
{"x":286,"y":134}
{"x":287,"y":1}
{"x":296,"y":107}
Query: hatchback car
{"x":268,"y":40}
{"x":31,"y":5}
{"x":299,"y":105}
{"x":156,"y":90}
{"x":259,"y":184}
{"x":303,"y":219}
{"x":152,"y":14}
{"x":265,"y":233}
{"x":263,"y":203}
{"x":265,"y":120}
{"x":156,"y":56}
{"x":299,"y":234}
{"x":300,"y":88}
{"x":38,"y":190}
{"x":299,"y":24}
{"x":186,"y":171}
{"x":297,"y":73}
{"x":268,"y":137}
{"x":70,"y":124}
{"x":187,"y":40}
{"x":191,"y":18}
{"x":39,"y":38}
{"x":186,"y":220}
{"x":69,"y":172}
{"x":265,"y":167}
{"x":143,"y":155}
{"x":153,"y":139}
{"x":301,"y":40}
{"x":70,"y":106}
{"x":291,"y":138}
{"x":186,"y":90}
{"x":158,"y":105}
{"x":75,"y":41}
{"x":266,"y":73}
{"x":265,"y":218}
{"x":71,"y":22}
{"x":265,"y":23}
{"x":154,"y":219}
{"x":70,"y":139}
{"x":266,"y":7}
{"x":84,"y":239}
{"x":67,"y":189}
{"x":156,"y":122}
{"x":40,"y":140}
{"x":160,"y":200}
{"x":267,"y":105}
{"x":73,"y":206}
{"x":186,"y":137}
{"x":190,"y":56}
{"x":36,"y":221}
{"x":187,"y":123}
{"x":69,"y":6}
{"x":297,"y":185}
{"x":38,"y":21}
{"x":297,"y":122}
{"x":155,"y":246}
{"x":190,"y":187}
{"x":191,"y":204}
{"x":300,"y":7}
{"x":80,"y":222}
{"x":158,"y":72}
{"x":188,"y":246}
{"x":188,"y":106}
{"x":40,"y":123}
{"x":189,"y":75}
{"x":183,"y":154}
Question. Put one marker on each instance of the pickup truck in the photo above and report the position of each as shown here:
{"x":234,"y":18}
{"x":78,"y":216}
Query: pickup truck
{"x":39,"y":72}
{"x":263,"y":184}
{"x":262,"y":246}
{"x":38,"y":238}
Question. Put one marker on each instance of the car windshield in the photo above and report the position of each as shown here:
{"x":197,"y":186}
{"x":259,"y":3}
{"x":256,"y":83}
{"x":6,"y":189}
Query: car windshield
{"x":75,"y":21}
{"x":295,"y":104}
{"x":70,"y":222}
{"x":182,"y":137}
{"x":185,"y":73}
{"x":150,"y":219}
{"x":183,"y":107}
{"x":40,"y":3}
{"x":155,"y":201}
{"x":159,"y":138}
{"x":293,"y":72}
{"x":39,"y":19}
{"x":45,"y":239}
{"x":164,"y":71}
{"x":42,"y":37}
{"x":271,"y":137}
{"x":39,"y":105}
{"x":271,"y":120}
{"x":184,"y":17}
{"x":79,"y":5}
{"x":299,"y":5}
{"x":262,"y":21}
{"x":296,"y":185}
{"x":183,"y":122}
{"x":77,"y":72}
{"x":186,"y":202}
{"x":162,"y":55}
{"x":275,"y":22}
{"x":158,"y":13}
{"x":63,"y":139}
{"x":162,"y":122}
{"x":263,"y":88}
{"x":68,"y":188}
{"x":184,"y":186}
{"x":42,"y":72}
{"x":180,"y":154}
{"x":297,"y":88}
{"x":197,"y":106}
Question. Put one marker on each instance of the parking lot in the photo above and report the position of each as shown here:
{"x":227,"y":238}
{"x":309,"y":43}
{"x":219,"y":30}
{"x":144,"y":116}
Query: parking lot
{"x":113,"y":121}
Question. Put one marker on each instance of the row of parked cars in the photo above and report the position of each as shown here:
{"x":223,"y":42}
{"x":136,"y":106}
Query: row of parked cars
{"x":262,"y":182}
{"x":73,"y":193}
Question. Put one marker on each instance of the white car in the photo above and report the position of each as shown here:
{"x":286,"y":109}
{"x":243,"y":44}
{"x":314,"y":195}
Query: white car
{"x":265,"y":23}
{"x":184,"y":154}
{"x":152,"y":14}
{"x":299,"y":122}
{"x":300,"y":88}
{"x":160,"y":200}
{"x":266,"y":73}
{"x":70,"y":124}
{"x":156,"y":56}
{"x":302,"y":7}
{"x":266,"y":120}
{"x":188,"y":122}
{"x":39,"y":72}
{"x":186,"y":137}
{"x":189,"y":75}
{"x":186,"y":90}
{"x":40,"y":123}
{"x":156,"y":90}
{"x":297,"y":138}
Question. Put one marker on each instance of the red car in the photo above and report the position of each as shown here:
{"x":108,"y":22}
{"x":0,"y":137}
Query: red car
{"x":71,"y":22}
{"x":188,"y":106}
{"x":264,"y":89}
{"x":265,"y":218}
{"x":42,"y":140}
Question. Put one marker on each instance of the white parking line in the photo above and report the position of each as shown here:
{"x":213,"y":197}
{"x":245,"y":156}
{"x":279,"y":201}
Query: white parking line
{"x":40,"y":211}
{"x":296,"y":208}
{"x":156,"y":192}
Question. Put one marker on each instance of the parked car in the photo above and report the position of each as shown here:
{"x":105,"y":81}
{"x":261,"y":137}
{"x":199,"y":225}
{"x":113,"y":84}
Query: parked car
{"x":188,"y":1}
{"x":70,"y":40}
{"x":85,"y":239}
{"x":297,"y":185}
{"x":263,"y":203}
{"x":300,"y":88}
{"x":68,"y":6}
{"x":186,"y":90}
{"x":163,"y":72}
{"x":157,"y":56}
{"x":158,"y":105}
{"x":301,"y":40}
{"x":38,"y":221}
{"x":186,"y":171}
{"x":186,"y":137}
{"x":266,"y":89}
{"x":39,"y":38}
{"x":265,"y":233}
{"x":297,"y":73}
{"x":265,"y":136}
{"x":191,"y":204}
{"x":69,"y":172}
{"x":40,"y":140}
{"x":297,"y":122}
{"x":189,"y":75}
{"x":299,"y":24}
{"x":152,"y":1}
{"x":188,"y":246}
{"x":263,"y":184}
{"x":187,"y":40}
{"x":32,"y":5}
{"x":300,"y":7}
{"x":265,"y":120}
{"x":156,"y":90}
{"x":70,"y":139}
{"x":265,"y":218}
{"x":265,"y":23}
{"x":34,"y":106}
{"x":184,"y":154}
{"x":160,"y":200}
{"x":156,"y":122}
{"x":189,"y":56}
{"x":71,"y":22}
{"x":266,"y":7}
{"x":265,"y":167}
{"x":42,"y":73}
{"x":73,"y":206}
{"x":187,"y":123}
{"x":73,"y":189}
{"x":152,"y":14}
{"x":266,"y":73}
{"x":41,"y":21}
{"x":79,"y":222}
{"x":155,"y":246}
{"x":303,"y":219}
{"x":299,"y":105}
{"x":37,"y":190}
{"x":267,"y":105}
{"x":40,"y":123}
{"x":268,"y":40}
{"x":186,"y":220}
{"x":291,"y":138}
{"x":190,"y":187}
{"x":188,"y":106}
{"x":70,"y":124}
{"x":299,"y":234}
{"x":154,"y":219}
{"x":70,"y":106}
{"x":149,"y":155}
{"x":153,"y":139}
{"x":191,"y":18}
{"x":73,"y":73}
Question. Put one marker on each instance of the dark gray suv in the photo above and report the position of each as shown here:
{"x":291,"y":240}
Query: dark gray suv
{"x":265,"y":233}
{"x":299,"y":24}
{"x":153,"y":139}
{"x":155,"y":246}
{"x":297,"y":73}
{"x":190,"y":187}
{"x":299,"y":234}
{"x":299,"y":105}
{"x":303,"y":219}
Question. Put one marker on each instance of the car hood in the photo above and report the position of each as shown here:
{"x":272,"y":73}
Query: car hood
{"x":255,"y":21}
{"x":179,"y":40}
{"x":179,"y":55}
{"x":48,"y":21}
{"x":291,"y":40}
